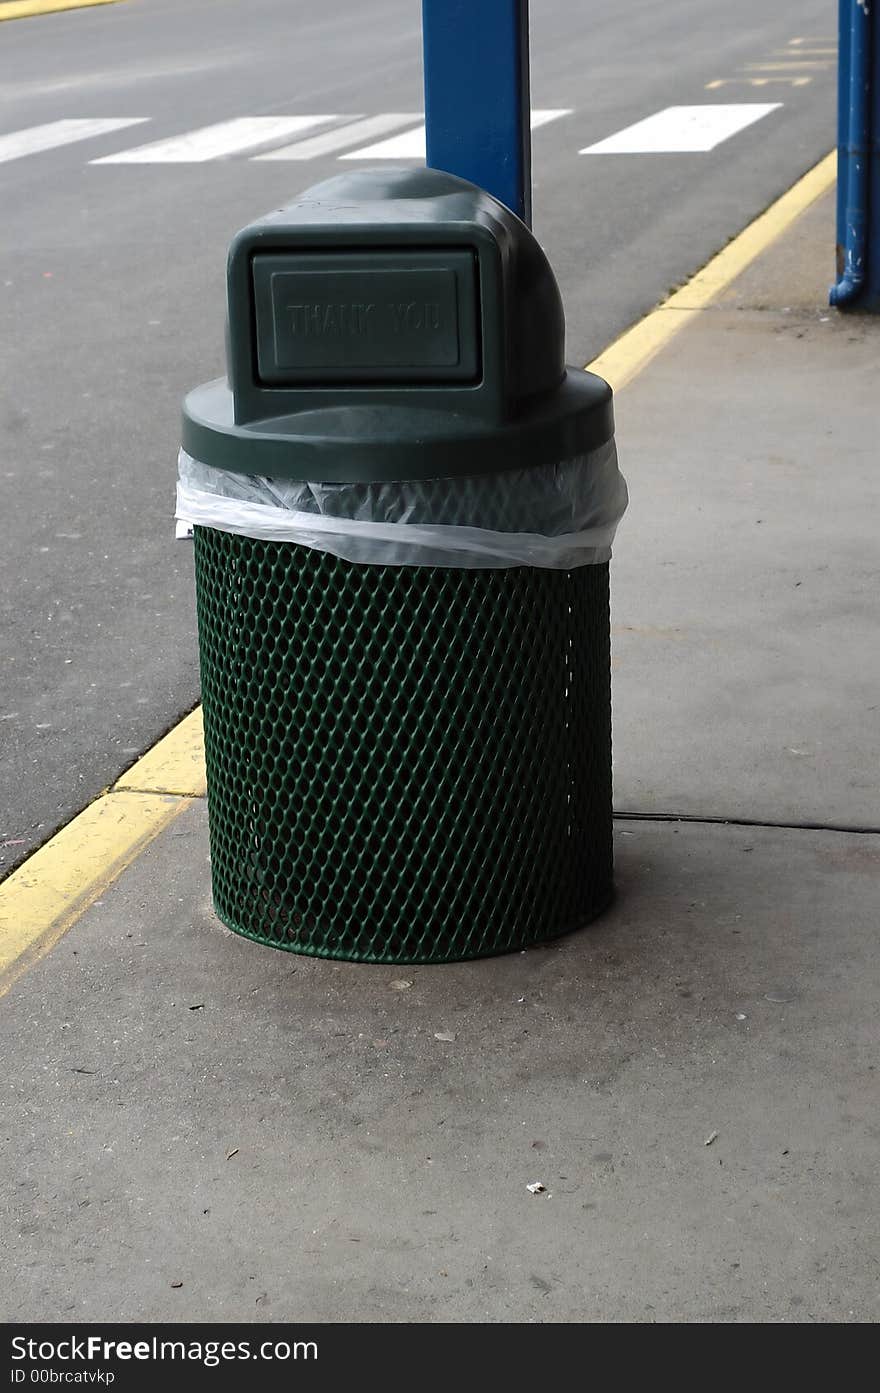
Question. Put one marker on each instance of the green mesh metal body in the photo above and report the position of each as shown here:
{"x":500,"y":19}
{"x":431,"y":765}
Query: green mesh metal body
{"x":404,"y":764}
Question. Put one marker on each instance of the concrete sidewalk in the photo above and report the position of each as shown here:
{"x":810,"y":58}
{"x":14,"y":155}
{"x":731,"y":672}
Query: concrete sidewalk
{"x":201,"y":1129}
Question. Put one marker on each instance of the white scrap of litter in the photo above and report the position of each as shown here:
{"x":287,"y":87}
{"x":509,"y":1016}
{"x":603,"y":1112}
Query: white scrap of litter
{"x":520,"y":1000}
{"x":711,"y":1137}
{"x":740,"y":1016}
{"x":536,"y":1188}
{"x":447,"y":1036}
{"x":400,"y":984}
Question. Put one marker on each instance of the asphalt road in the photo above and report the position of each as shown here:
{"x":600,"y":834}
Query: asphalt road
{"x":112,"y":289}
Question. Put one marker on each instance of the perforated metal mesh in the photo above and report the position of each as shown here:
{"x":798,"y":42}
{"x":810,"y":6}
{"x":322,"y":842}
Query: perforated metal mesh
{"x":404,"y":764}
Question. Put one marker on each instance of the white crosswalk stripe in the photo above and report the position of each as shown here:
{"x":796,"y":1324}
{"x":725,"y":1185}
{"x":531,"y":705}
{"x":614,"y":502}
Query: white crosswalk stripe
{"x":543,"y":116}
{"x":675,"y":129}
{"x":342,"y":137}
{"x":410,"y":145}
{"x":35,"y":139}
{"x":683,"y":129}
{"x":243,"y":135}
{"x":215,"y":142}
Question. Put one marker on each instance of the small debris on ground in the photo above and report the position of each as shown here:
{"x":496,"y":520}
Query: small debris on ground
{"x":233,"y":1152}
{"x":779,"y":997}
{"x":711,"y":1137}
{"x":740,"y":1016}
{"x":200,"y":1006}
{"x":447,"y":1036}
{"x":400,"y":984}
{"x":536,"y":1188}
{"x":177,"y":1284}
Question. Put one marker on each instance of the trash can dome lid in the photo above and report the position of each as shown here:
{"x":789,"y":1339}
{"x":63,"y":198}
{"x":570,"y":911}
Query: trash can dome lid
{"x":393,"y":323}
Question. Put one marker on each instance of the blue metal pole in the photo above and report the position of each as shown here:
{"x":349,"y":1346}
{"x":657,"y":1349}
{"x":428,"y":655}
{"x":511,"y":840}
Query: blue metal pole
{"x":843,"y":33}
{"x":477,"y":95}
{"x":854,"y":140}
{"x":871,"y":297}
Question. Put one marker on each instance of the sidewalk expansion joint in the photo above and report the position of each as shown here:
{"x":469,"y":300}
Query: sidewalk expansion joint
{"x":175,"y":764}
{"x":166,"y":792}
{"x":710,"y":821}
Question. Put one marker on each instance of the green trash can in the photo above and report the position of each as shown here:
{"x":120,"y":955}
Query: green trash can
{"x":402,"y":508}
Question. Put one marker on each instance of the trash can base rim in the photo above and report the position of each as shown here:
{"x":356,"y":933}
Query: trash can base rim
{"x":427,"y":960}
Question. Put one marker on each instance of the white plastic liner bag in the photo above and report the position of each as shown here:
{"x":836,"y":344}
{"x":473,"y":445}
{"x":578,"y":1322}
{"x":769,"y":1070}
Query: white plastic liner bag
{"x":558,"y":516}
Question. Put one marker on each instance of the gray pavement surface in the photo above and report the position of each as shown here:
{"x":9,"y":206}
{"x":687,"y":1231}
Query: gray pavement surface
{"x":744,"y":595}
{"x":111,"y":290}
{"x":693,"y":1078}
{"x":288,"y":1138}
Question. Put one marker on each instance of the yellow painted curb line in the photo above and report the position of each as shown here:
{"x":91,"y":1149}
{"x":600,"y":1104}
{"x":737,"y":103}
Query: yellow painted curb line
{"x":635,"y":348}
{"x":45,"y":896}
{"x":24,"y":9}
{"x":175,"y":764}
